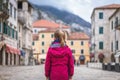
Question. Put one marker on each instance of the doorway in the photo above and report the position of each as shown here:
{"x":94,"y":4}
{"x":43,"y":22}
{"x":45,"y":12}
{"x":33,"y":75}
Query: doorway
{"x":6,"y":58}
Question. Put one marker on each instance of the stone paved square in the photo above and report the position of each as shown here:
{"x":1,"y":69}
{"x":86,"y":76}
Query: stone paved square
{"x":37,"y":73}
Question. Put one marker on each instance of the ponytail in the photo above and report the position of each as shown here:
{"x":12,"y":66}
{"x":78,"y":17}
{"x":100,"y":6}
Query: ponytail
{"x":60,"y":35}
{"x":62,"y":41}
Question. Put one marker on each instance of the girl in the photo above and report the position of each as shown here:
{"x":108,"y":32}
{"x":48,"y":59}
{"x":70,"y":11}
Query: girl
{"x":59,"y":64}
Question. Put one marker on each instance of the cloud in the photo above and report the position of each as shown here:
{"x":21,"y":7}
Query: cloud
{"x":82,"y":8}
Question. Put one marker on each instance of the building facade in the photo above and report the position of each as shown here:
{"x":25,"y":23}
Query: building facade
{"x":101,"y":33}
{"x":114,"y":38}
{"x":44,"y":38}
{"x":25,"y":30}
{"x":9,"y":52}
{"x":79,"y":44}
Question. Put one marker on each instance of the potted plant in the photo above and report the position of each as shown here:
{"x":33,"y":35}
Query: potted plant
{"x":101,"y":57}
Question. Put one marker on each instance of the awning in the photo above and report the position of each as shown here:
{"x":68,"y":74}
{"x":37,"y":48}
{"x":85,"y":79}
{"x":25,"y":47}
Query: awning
{"x":22,"y":52}
{"x":82,"y":57}
{"x":10,"y":49}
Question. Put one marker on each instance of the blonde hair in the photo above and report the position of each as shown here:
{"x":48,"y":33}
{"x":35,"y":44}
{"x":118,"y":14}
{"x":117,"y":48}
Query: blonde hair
{"x":60,"y":35}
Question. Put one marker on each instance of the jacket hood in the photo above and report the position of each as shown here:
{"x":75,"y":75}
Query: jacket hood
{"x":57,"y":50}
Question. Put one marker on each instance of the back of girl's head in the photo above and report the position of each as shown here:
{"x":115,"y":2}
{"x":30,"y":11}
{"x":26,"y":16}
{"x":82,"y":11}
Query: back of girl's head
{"x":60,"y":35}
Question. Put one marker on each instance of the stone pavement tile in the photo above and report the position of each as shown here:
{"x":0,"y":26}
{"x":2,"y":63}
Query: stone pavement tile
{"x":37,"y":73}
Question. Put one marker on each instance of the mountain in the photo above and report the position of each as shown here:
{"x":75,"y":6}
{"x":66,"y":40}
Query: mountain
{"x":67,"y":18}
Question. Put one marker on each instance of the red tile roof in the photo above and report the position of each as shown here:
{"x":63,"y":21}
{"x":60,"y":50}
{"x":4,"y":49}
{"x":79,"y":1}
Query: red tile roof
{"x":47,"y":24}
{"x":35,"y":36}
{"x":110,"y":6}
{"x":78,"y":36}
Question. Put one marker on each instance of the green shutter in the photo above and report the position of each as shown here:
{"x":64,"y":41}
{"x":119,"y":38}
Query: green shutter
{"x":42,"y":35}
{"x":42,"y":43}
{"x":9,"y":30}
{"x":33,"y":43}
{"x":100,"y":45}
{"x":12,"y":33}
{"x":16,"y":35}
{"x":5,"y":28}
{"x":100,"y":30}
{"x":101,"y":15}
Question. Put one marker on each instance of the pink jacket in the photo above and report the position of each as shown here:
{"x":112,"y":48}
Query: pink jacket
{"x":59,"y":63}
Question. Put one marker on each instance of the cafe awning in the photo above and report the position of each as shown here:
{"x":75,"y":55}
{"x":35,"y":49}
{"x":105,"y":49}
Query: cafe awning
{"x":117,"y":54}
{"x":82,"y":57}
{"x":10,"y":49}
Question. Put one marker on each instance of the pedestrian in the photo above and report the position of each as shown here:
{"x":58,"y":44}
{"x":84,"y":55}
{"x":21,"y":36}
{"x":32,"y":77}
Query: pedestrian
{"x":59,"y":64}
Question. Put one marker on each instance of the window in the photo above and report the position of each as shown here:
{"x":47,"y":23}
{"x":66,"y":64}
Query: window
{"x":5,"y":28}
{"x":33,"y":43}
{"x":42,"y":43}
{"x":73,"y":51}
{"x":101,"y":15}
{"x":16,"y":35}
{"x":52,"y":35}
{"x":35,"y":31}
{"x":19,"y":4}
{"x":112,"y":25}
{"x":9,"y":31}
{"x":42,"y":50}
{"x":82,"y":43}
{"x":14,"y":13}
{"x":101,"y":45}
{"x":12,"y":33}
{"x":112,"y":46}
{"x":43,"y":36}
{"x":100,"y":30}
{"x":82,"y":51}
{"x":116,"y":21}
{"x":72,"y":43}
{"x":117,"y":45}
{"x":11,"y":9}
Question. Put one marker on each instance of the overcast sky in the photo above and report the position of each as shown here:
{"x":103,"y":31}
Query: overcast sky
{"x":82,"y":8}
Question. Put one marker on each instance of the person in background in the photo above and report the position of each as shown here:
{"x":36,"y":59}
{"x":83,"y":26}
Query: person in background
{"x":59,"y":64}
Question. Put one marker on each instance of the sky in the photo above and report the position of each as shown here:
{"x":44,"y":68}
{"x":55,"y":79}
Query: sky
{"x":82,"y":8}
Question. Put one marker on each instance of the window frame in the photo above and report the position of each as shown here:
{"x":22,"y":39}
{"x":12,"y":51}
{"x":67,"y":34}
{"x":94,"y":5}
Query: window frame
{"x":101,"y":30}
{"x":101,"y":15}
{"x":101,"y":45}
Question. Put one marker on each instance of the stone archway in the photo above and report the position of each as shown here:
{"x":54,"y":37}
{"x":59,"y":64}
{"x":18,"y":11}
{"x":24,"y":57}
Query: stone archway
{"x":82,"y":59}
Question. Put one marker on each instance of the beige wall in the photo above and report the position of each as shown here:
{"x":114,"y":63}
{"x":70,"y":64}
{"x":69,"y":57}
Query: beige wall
{"x":47,"y":41}
{"x":77,"y":47}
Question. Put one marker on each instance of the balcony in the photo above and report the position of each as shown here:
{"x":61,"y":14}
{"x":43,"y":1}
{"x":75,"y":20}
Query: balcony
{"x":4,"y":11}
{"x":21,"y":17}
{"x":117,"y":24}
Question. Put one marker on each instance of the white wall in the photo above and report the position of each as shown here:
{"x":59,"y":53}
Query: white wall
{"x":105,"y":37}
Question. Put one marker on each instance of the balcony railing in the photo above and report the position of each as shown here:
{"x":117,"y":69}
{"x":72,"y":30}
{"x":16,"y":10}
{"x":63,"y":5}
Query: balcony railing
{"x":117,"y":24}
{"x":4,"y":11}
